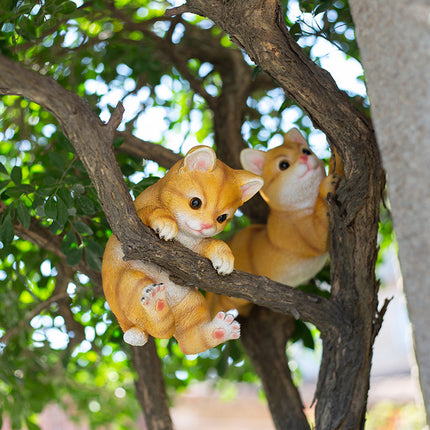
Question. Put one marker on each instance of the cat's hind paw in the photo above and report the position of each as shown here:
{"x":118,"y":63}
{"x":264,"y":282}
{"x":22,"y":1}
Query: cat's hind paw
{"x":226,"y":327}
{"x":154,"y":294}
{"x":135,"y":337}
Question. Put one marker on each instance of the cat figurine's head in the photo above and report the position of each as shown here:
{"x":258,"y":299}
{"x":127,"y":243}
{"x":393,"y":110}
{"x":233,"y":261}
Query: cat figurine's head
{"x":203,"y":193}
{"x":291,"y":172}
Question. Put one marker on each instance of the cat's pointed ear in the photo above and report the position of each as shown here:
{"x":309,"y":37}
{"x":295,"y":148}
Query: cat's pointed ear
{"x":250,"y":184}
{"x":200,"y":158}
{"x":295,"y":136}
{"x":252,"y":160}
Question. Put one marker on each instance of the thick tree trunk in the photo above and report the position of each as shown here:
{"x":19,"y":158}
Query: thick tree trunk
{"x":265,"y":334}
{"x":150,"y":388}
{"x":397,"y":65}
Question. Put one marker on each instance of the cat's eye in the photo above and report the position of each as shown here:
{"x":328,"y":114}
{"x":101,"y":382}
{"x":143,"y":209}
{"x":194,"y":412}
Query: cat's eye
{"x":306,"y":151}
{"x":195,"y":203}
{"x":284,"y":165}
{"x":222,"y":218}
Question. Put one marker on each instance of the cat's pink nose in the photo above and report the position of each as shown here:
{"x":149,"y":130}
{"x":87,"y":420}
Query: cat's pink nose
{"x":206,"y":225}
{"x":303,"y":158}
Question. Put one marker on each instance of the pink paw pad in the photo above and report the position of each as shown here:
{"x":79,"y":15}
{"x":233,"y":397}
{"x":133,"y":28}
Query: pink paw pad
{"x":154,"y":293}
{"x":226,"y":327}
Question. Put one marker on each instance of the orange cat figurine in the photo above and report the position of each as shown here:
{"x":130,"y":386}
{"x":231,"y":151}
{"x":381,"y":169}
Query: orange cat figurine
{"x":293,"y":246}
{"x":193,"y":202}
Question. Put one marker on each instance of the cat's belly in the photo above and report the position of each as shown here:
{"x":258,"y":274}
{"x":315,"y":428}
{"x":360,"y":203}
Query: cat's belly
{"x":174,"y":293}
{"x":297,"y":272}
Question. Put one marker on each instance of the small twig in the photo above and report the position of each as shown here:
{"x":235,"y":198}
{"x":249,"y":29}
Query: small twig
{"x":184,"y":8}
{"x":379,"y":317}
{"x":116,"y":118}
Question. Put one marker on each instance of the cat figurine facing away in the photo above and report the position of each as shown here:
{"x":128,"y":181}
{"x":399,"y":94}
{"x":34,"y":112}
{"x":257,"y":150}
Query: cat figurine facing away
{"x":193,"y":202}
{"x":293,"y":246}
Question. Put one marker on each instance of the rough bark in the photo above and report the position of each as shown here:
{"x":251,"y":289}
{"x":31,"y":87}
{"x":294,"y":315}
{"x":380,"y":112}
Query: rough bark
{"x":264,"y":336}
{"x":150,"y":387}
{"x":397,"y":66}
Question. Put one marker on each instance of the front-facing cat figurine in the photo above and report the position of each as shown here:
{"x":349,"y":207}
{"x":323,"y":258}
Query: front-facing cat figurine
{"x":193,"y":202}
{"x":293,"y":246}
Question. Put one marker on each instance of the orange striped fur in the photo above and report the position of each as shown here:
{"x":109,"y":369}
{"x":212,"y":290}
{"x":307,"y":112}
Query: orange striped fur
{"x":193,"y":202}
{"x":293,"y":246}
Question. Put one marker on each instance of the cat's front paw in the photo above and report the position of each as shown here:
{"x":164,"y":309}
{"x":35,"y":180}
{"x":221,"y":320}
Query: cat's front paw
{"x":165,"y":227}
{"x":223,"y":260}
{"x":329,"y":184}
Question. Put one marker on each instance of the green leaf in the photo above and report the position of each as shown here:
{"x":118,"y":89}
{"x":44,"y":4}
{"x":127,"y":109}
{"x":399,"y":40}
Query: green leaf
{"x":95,"y":247}
{"x":296,"y":31}
{"x":67,"y":8}
{"x":93,"y":260}
{"x":20,"y":190}
{"x":27,"y":28}
{"x":222,"y":364}
{"x":55,"y":228}
{"x":51,"y":208}
{"x":56,"y":160}
{"x":71,"y":249}
{"x":73,"y":256}
{"x":83,"y":228}
{"x":3,"y":185}
{"x":16,"y":175}
{"x":6,"y":229}
{"x":65,"y":143}
{"x":65,"y":195}
{"x":62,"y":212}
{"x":256,"y":72}
{"x":86,"y":204}
{"x":78,"y":189}
{"x":322,"y":7}
{"x":31,"y":425}
{"x":69,"y":241}
{"x":23,"y":214}
{"x":118,"y":141}
{"x":302,"y":332}
{"x":3,"y":170}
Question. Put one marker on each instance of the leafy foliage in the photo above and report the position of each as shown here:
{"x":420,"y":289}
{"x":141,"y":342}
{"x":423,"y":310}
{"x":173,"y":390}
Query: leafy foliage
{"x":60,"y":341}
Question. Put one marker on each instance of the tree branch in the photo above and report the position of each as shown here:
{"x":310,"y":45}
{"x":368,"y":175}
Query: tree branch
{"x":179,"y":10}
{"x":139,"y":148}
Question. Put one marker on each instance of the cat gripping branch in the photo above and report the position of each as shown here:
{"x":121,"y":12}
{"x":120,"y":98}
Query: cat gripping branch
{"x":293,"y":246}
{"x":193,"y":202}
